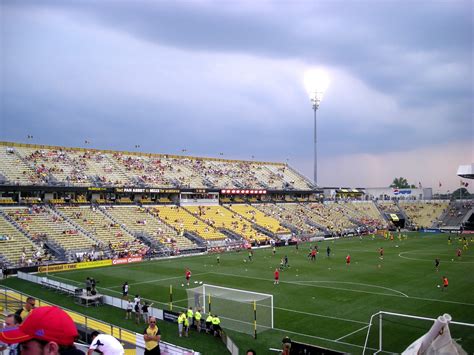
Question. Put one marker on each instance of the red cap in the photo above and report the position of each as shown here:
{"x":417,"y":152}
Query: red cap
{"x":43,"y":323}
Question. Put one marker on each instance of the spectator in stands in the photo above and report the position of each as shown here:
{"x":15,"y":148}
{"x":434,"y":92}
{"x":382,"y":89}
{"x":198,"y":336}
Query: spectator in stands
{"x":105,"y":344}
{"x":152,"y":337}
{"x":47,"y":331}
{"x":27,"y":308}
{"x":12,"y":320}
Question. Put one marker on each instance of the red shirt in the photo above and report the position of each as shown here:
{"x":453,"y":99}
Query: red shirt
{"x":313,"y":252}
{"x":277,"y":274}
{"x":445,"y":281}
{"x":188,"y":274}
{"x":348,"y":259}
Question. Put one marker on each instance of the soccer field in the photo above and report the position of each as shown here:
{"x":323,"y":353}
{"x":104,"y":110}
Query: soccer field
{"x":326,"y":302}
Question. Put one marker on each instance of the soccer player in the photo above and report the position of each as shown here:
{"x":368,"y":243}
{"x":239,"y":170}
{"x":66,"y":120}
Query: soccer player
{"x":187,"y":274}
{"x":449,"y":240}
{"x":277,"y":277}
{"x":250,"y":254}
{"x":282,"y":263}
{"x":286,"y":261}
{"x":313,"y":254}
{"x":348,"y":260}
{"x":459,"y":253}
{"x":328,"y":251}
{"x":437,"y":264}
{"x":381,"y":251}
{"x":125,"y":290}
{"x":445,"y":283}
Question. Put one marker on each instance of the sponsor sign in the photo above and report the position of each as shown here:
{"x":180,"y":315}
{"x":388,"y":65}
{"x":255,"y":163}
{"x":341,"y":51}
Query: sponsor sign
{"x":401,"y":192}
{"x":170,"y":316}
{"x":75,"y":266}
{"x":57,"y":268}
{"x":243,"y":192}
{"x":98,"y":263}
{"x":431,"y":230}
{"x":134,"y":259}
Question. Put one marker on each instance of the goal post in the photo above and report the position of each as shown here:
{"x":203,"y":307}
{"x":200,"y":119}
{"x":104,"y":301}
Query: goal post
{"x":390,"y":332}
{"x":240,"y":310}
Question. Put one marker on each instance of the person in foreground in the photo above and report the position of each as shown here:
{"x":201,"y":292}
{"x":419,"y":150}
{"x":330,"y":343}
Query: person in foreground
{"x":105,"y":344}
{"x":47,"y":330}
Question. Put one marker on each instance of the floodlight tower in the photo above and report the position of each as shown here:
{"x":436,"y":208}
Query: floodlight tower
{"x":316,"y":82}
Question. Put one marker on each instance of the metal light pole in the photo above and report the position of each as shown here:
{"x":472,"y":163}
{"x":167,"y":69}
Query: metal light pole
{"x":315,"y":101}
{"x":316,"y":83}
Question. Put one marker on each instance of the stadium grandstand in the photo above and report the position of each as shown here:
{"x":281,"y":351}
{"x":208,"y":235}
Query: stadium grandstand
{"x":70,"y":204}
{"x":66,"y":206}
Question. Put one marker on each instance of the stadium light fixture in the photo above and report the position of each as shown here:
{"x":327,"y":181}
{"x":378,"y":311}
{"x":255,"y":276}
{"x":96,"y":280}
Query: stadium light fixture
{"x":316,"y":82}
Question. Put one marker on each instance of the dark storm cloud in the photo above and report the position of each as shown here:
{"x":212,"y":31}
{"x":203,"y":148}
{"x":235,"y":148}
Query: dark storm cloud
{"x":388,"y":45}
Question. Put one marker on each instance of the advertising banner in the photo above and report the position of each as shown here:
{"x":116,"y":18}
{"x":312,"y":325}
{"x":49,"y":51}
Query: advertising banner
{"x":133,"y":259}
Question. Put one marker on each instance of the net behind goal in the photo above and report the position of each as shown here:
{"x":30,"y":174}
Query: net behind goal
{"x":239,"y":310}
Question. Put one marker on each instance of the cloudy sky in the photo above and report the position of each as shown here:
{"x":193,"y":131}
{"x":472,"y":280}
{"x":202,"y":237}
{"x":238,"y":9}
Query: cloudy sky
{"x":226,"y":77}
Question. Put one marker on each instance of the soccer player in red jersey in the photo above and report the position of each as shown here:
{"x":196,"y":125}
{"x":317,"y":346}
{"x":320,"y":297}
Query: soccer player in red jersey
{"x":445,"y":283}
{"x":277,"y":276}
{"x":348,"y":259}
{"x":187,"y":275}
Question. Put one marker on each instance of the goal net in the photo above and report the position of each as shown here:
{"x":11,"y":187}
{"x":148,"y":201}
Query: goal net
{"x":243,"y":311}
{"x":390,"y":332}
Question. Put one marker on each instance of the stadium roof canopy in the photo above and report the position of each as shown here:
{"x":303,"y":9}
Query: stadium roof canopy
{"x":466,"y":171}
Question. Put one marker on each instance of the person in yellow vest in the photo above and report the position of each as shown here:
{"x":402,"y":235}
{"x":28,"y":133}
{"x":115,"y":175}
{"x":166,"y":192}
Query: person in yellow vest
{"x":186,"y":325}
{"x":216,"y":325}
{"x":181,"y":319}
{"x":190,"y":315}
{"x":27,"y":308}
{"x":208,"y":323}
{"x":197,"y":320}
{"x":152,"y":337}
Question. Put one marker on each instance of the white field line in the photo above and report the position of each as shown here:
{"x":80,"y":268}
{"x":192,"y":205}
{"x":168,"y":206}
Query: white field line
{"x":118,"y":292}
{"x":130,"y":284}
{"x":320,"y":315}
{"x":304,"y":283}
{"x":357,"y":283}
{"x":355,"y":331}
{"x":320,"y":338}
{"x":431,"y":260}
{"x":158,"y":280}
{"x":348,"y":289}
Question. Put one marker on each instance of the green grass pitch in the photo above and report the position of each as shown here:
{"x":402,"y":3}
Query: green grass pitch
{"x":327,"y":302}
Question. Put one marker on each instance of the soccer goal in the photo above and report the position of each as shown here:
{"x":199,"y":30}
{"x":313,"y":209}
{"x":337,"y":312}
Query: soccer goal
{"x":390,"y":332}
{"x":243,"y":311}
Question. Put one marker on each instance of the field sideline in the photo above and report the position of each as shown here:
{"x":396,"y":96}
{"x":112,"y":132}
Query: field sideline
{"x":326,"y":302}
